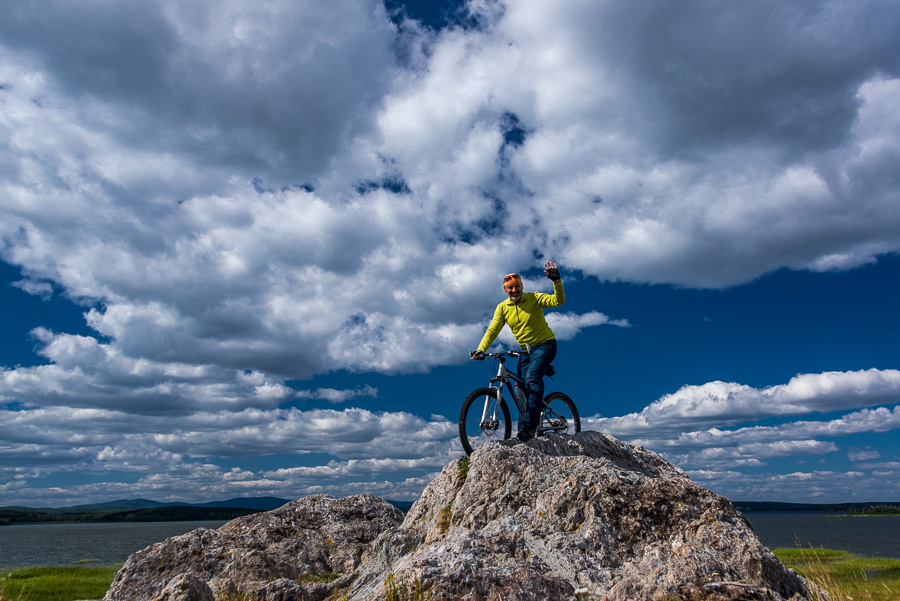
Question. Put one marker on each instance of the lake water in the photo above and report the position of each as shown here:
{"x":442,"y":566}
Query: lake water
{"x":875,"y":536}
{"x":67,"y":544}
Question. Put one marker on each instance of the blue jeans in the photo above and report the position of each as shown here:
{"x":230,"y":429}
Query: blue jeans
{"x":531,"y":369}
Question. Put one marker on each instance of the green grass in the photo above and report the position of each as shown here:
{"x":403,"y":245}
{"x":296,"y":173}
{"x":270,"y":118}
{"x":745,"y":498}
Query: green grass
{"x":56,"y":583}
{"x":443,"y":521}
{"x":327,"y":577}
{"x":399,"y":590}
{"x":87,"y":582}
{"x":791,"y":555}
{"x":847,"y":577}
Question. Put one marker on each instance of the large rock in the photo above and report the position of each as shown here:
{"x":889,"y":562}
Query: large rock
{"x":303,"y":550}
{"x":564,"y":517}
{"x":585,"y":515}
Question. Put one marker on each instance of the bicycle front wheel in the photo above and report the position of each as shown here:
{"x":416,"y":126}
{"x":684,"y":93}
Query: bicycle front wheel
{"x":484,"y":416}
{"x":560,"y":414}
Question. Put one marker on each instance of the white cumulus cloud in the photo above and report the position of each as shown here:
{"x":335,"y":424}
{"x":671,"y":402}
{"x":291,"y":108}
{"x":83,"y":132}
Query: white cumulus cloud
{"x":242,"y":194}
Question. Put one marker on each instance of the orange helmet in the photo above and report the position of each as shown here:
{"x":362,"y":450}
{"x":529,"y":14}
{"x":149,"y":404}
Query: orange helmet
{"x":513,"y":278}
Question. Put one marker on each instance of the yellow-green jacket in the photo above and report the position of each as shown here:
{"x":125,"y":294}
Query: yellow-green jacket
{"x":525,"y":318}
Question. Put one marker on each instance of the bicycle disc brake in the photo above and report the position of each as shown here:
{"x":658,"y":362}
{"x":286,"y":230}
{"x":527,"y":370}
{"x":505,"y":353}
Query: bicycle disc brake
{"x":556,"y":422}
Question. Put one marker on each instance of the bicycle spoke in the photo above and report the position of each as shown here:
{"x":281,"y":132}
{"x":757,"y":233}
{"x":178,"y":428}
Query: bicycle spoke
{"x":483,"y":417}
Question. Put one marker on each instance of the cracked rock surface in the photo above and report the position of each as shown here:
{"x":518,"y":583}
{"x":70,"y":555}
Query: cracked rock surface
{"x":563,"y":517}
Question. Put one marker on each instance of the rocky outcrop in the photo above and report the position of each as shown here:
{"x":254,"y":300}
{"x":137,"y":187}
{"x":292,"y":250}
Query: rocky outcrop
{"x":585,"y":515}
{"x":564,"y":517}
{"x":303,"y":550}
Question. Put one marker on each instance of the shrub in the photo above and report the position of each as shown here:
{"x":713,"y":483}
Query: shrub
{"x":462,"y":468}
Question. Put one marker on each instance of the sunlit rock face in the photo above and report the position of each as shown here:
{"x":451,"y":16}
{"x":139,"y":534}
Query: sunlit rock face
{"x":563,"y":517}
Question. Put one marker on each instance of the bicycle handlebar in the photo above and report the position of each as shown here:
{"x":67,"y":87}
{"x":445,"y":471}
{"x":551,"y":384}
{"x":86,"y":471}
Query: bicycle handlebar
{"x":515,"y":353}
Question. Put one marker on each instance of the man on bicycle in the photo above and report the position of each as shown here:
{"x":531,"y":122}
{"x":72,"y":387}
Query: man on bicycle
{"x":524,"y":313}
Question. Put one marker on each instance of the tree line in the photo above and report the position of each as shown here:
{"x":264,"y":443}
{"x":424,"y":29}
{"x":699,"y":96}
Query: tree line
{"x":875,"y":510}
{"x":170,"y":513}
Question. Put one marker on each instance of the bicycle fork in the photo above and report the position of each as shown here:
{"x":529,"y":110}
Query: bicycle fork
{"x":498,"y":396}
{"x":484,"y":413}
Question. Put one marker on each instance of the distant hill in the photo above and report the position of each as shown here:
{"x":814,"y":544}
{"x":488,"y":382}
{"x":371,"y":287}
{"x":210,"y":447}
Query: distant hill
{"x":133,"y":503}
{"x":139,"y":510}
{"x":264,"y":503}
{"x":147,"y":510}
{"x":168,"y":513}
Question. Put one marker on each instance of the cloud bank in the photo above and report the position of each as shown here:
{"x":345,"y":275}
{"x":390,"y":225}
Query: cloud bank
{"x":276,"y":201}
{"x":396,"y":453}
{"x":701,"y":428}
{"x":244,"y":194}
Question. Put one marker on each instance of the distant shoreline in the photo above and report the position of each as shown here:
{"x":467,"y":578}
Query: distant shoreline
{"x":175,"y":513}
{"x":872,"y":508}
{"x":143,"y":510}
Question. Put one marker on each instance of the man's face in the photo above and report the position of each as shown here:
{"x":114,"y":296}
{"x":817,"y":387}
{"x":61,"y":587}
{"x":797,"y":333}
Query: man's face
{"x":513,"y":290}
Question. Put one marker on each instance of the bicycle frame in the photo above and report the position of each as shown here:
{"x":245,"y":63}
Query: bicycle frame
{"x":503,"y":377}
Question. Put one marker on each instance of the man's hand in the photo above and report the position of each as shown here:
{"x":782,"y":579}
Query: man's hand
{"x":477,"y":356}
{"x":552,"y":271}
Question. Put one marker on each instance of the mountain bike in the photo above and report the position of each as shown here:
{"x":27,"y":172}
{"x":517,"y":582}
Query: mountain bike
{"x":485,"y":413}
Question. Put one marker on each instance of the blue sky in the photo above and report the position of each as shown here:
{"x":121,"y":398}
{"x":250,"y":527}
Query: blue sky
{"x":245,"y":247}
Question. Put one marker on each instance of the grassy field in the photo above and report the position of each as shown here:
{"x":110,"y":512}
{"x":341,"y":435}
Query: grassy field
{"x":845,"y":576}
{"x":56,"y":583}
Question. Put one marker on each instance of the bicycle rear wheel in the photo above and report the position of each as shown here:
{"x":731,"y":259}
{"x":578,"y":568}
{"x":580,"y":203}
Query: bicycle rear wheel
{"x":484,"y":416}
{"x":560,"y":414}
